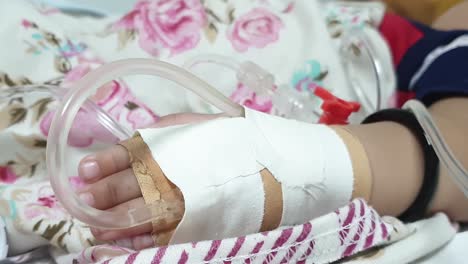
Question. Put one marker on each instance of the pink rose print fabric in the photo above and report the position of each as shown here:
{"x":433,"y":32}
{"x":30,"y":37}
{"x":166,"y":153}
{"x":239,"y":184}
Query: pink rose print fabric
{"x":116,"y":99}
{"x":245,"y":96}
{"x":166,"y":24}
{"x":7,"y":175}
{"x":257,"y":28}
{"x":178,"y":25}
{"x":45,"y":205}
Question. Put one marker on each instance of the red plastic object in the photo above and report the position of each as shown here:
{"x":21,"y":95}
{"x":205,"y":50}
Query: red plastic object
{"x":336,"y":111}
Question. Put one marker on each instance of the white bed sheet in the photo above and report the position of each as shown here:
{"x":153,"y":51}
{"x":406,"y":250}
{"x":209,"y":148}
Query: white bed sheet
{"x":454,"y":252}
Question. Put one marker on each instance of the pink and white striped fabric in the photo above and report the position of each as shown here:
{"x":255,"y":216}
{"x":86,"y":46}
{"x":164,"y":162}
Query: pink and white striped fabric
{"x":345,"y":232}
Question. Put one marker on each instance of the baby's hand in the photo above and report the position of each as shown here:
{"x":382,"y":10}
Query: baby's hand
{"x":113,"y":186}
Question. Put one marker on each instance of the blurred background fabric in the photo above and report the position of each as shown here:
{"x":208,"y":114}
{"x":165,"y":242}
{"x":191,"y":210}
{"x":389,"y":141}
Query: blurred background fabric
{"x":423,"y":11}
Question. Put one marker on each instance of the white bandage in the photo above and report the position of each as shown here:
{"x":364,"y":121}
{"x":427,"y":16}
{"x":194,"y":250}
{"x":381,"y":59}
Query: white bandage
{"x":310,"y":161}
{"x":216,"y":166}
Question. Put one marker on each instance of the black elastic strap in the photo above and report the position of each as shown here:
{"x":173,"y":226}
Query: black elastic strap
{"x":419,"y":207}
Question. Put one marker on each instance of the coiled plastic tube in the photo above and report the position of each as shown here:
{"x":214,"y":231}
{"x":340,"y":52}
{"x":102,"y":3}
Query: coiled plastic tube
{"x":443,"y":151}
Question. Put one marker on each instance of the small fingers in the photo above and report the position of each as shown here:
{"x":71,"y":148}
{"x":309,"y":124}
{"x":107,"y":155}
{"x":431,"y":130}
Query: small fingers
{"x":115,"y":234}
{"x":145,"y":241}
{"x":103,"y":163}
{"x":138,"y":234}
{"x":113,"y":186}
{"x":113,"y":190}
{"x":138,"y":242}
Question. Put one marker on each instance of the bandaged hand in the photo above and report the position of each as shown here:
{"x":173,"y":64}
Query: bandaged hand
{"x":234,"y":176}
{"x":112,"y":185}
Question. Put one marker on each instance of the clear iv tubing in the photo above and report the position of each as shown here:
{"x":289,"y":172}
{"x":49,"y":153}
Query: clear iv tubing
{"x":289,"y":102}
{"x":89,"y":106}
{"x":69,"y":107}
{"x":249,"y":73}
{"x":377,"y":69}
{"x":261,"y":81}
{"x":443,"y":151}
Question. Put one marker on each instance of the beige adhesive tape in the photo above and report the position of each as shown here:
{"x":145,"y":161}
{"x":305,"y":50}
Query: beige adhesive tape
{"x":273,"y":202}
{"x":153,"y":184}
{"x":360,"y":162}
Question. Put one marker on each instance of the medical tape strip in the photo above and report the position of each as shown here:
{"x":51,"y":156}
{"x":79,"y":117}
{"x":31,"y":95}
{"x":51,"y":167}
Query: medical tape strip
{"x":154,"y":186}
{"x":310,"y":161}
{"x":273,"y":209}
{"x":361,"y":164}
